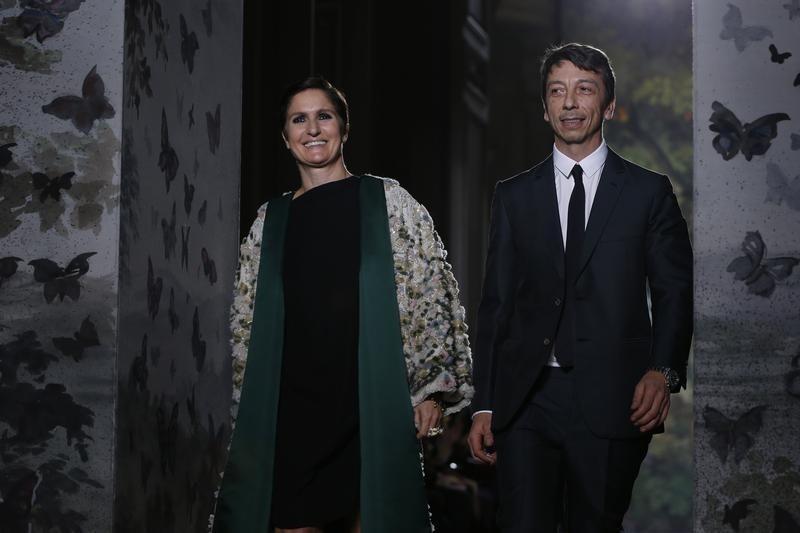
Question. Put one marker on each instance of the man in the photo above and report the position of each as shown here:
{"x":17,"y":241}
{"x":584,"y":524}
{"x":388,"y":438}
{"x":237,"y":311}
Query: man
{"x":572,"y":373}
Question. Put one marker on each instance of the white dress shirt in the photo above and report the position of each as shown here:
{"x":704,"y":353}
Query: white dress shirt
{"x":592,"y":166}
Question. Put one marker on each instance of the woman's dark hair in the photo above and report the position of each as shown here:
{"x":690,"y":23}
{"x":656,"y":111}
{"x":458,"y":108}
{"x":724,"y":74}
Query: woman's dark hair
{"x":316,"y":82}
{"x":584,"y":57}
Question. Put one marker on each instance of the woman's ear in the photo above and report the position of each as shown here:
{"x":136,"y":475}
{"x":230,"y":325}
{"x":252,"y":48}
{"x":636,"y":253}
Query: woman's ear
{"x":285,"y":140}
{"x":346,"y":132}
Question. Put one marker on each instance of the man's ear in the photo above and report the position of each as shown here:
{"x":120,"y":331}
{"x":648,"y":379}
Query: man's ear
{"x":608,"y":114}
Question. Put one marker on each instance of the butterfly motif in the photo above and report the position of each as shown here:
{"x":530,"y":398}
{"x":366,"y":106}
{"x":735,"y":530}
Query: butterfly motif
{"x":739,"y":511}
{"x":139,"y":372}
{"x":52,"y":187}
{"x":733,"y":435}
{"x":168,"y":158}
{"x":777,"y":57}
{"x":752,"y":138}
{"x":8,"y":267}
{"x":84,"y":338}
{"x":796,"y":82}
{"x":174,"y":321}
{"x":5,"y":154}
{"x":781,"y":189}
{"x":189,"y":45}
{"x":733,"y":29}
{"x":793,"y":8}
{"x":154,"y":287}
{"x":185,"y":230}
{"x":168,"y":234}
{"x":201,"y":213}
{"x":45,"y":17}
{"x":191,"y":407}
{"x":207,"y":20}
{"x":83,"y":110}
{"x":784,"y":521}
{"x":198,"y":344}
{"x":760,"y":274}
{"x":209,"y":266}
{"x":795,"y":138}
{"x":188,"y":194}
{"x":60,"y":281}
{"x":213,"y":123}
{"x":139,"y":81}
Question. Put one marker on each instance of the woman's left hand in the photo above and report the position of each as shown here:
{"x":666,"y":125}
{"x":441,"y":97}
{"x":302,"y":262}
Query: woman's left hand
{"x":427,"y":416}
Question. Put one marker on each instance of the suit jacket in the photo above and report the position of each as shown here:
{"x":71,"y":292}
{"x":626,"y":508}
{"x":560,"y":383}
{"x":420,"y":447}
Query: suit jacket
{"x":635,"y":237}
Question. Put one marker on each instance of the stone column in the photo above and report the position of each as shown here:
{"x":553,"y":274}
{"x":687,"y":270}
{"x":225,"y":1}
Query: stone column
{"x":747,"y":246}
{"x":119,"y":180}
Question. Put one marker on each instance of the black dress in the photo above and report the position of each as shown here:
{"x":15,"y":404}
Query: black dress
{"x":316,"y":477}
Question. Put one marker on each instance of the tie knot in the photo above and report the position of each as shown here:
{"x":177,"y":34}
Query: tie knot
{"x":577,"y":173}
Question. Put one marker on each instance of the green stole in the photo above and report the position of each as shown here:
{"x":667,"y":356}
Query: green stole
{"x":392,"y":486}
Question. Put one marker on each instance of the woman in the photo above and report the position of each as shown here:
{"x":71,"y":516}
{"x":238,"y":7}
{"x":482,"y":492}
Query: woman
{"x":354,"y":312}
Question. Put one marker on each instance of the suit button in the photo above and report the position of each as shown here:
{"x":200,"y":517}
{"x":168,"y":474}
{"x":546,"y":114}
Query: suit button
{"x":546,"y":342}
{"x":557,"y":301}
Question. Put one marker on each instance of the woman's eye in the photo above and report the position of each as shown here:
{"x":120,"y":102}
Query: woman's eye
{"x":298,"y":119}
{"x":325,"y":116}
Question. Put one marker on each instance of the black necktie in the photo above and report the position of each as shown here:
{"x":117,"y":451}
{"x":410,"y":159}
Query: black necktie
{"x":565,"y":336}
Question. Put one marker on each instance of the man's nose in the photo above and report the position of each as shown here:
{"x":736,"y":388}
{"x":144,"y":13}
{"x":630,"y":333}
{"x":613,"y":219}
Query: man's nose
{"x":569,"y":100}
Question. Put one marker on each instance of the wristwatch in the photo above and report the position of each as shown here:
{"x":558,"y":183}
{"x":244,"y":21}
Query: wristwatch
{"x":671,"y":377}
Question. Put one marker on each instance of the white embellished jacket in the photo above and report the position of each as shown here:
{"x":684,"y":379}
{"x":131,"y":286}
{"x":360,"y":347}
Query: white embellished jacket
{"x":435,"y":343}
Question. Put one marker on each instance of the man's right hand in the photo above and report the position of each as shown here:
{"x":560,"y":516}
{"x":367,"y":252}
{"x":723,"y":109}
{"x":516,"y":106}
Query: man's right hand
{"x":481,"y":439}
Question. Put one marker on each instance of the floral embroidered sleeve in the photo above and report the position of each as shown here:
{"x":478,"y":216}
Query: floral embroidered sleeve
{"x":244,"y":296}
{"x":435,"y":342}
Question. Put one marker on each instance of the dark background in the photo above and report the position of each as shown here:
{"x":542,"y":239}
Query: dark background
{"x":444,"y":98}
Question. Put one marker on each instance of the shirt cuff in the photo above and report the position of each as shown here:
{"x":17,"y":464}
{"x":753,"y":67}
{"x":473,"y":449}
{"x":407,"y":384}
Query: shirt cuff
{"x":479,"y":412}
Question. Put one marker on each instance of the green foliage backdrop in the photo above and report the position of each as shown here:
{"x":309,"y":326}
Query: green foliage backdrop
{"x":650,"y":46}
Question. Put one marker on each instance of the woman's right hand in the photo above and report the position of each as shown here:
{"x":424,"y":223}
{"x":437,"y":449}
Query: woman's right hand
{"x":427,"y":417}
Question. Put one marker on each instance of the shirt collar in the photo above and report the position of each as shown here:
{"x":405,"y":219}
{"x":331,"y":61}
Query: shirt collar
{"x":591,"y":164}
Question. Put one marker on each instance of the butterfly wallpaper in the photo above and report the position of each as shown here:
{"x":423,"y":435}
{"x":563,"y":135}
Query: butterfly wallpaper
{"x":114,"y":386}
{"x":747,"y":253}
{"x":178,"y":260}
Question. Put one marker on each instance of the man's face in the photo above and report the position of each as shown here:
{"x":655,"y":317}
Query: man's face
{"x":574,"y":108}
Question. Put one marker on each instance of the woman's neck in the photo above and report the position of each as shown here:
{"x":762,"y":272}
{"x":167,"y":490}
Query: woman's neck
{"x":314,"y":177}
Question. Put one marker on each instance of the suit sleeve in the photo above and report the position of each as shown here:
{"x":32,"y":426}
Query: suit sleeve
{"x":496,"y":304}
{"x":669,"y":271}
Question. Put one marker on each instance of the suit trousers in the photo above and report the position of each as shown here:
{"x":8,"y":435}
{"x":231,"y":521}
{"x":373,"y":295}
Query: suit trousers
{"x":553,"y":472}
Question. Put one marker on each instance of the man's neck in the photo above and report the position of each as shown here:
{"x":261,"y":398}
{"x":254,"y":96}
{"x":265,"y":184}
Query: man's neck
{"x":578,"y":152}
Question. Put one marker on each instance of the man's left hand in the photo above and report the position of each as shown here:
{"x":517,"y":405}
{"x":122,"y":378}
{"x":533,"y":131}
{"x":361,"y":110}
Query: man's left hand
{"x":650,"y":401}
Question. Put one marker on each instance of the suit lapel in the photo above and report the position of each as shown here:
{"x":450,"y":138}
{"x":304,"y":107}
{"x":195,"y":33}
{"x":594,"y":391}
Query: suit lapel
{"x":547,"y":204}
{"x":611,"y":182}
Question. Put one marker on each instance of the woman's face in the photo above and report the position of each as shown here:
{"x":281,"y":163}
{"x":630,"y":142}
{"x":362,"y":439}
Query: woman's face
{"x":312,"y":129}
